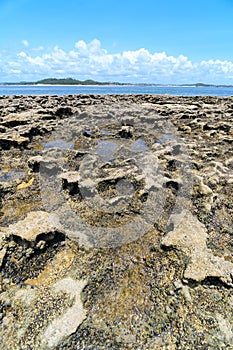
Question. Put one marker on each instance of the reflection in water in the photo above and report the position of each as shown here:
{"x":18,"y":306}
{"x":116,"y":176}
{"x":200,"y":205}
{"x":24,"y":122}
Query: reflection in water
{"x":58,"y":143}
{"x":139,"y":145}
{"x":106,"y":149}
{"x":105,"y":132}
{"x":166,"y":138}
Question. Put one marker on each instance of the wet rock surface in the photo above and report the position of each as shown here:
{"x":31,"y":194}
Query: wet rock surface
{"x":116,"y":222}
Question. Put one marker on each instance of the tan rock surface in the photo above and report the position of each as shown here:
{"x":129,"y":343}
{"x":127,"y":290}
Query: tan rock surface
{"x":190,"y":236}
{"x":35,"y":224}
{"x":116,"y":222}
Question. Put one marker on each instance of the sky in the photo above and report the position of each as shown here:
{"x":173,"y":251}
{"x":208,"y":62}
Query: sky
{"x":141,"y":41}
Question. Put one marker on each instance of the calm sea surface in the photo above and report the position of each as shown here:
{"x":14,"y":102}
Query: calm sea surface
{"x":133,"y":89}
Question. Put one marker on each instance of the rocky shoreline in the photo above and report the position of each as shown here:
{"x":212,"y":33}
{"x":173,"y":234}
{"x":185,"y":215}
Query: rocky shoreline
{"x":116,"y":222}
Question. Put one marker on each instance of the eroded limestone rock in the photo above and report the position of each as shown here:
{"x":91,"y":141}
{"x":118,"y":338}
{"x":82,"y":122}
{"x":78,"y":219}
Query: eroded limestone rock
{"x":131,"y":299}
{"x":189,"y":235}
{"x":2,"y":255}
{"x":13,"y":140}
{"x":36,"y":224}
{"x":66,"y":324}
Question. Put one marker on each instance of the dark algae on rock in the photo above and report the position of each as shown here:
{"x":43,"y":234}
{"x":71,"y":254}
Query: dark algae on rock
{"x":116,"y":222}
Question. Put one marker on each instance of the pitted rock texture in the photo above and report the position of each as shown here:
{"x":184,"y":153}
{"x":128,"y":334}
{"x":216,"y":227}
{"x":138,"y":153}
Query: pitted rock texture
{"x":67,"y":324}
{"x":116,"y":222}
{"x":37,"y":224}
{"x":190,"y":236}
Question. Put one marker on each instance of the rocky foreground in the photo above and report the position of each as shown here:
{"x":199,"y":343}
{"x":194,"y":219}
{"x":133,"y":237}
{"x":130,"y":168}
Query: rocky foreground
{"x":116,"y":222}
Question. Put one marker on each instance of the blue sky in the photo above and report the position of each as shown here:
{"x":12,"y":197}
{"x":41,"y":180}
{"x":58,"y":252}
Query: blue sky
{"x":153,"y":41}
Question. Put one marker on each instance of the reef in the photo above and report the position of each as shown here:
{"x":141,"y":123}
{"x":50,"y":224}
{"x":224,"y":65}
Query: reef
{"x":116,"y":222}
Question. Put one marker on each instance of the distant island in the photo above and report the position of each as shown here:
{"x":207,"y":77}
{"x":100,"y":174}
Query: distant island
{"x":71,"y":81}
{"x":63,"y":81}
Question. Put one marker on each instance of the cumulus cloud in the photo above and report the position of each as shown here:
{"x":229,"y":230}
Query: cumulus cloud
{"x":22,"y":54}
{"x":25,"y":43}
{"x":90,"y":60}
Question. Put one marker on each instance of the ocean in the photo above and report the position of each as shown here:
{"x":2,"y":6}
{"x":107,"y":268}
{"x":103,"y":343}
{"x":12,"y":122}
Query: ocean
{"x":8,"y":90}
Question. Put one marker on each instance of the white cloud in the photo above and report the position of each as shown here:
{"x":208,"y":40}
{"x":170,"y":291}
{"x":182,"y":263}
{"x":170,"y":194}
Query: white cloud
{"x":15,"y":71}
{"x":81,"y":45}
{"x":90,"y":60}
{"x":22,"y":54}
{"x":14,"y":64}
{"x":39,"y":48}
{"x":25,"y":43}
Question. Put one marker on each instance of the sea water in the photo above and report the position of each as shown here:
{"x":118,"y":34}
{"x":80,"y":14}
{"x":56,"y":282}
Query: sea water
{"x":60,"y":90}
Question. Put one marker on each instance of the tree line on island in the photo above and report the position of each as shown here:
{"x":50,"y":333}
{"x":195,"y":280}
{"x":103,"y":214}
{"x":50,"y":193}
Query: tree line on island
{"x":64,"y":81}
{"x":71,"y":81}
